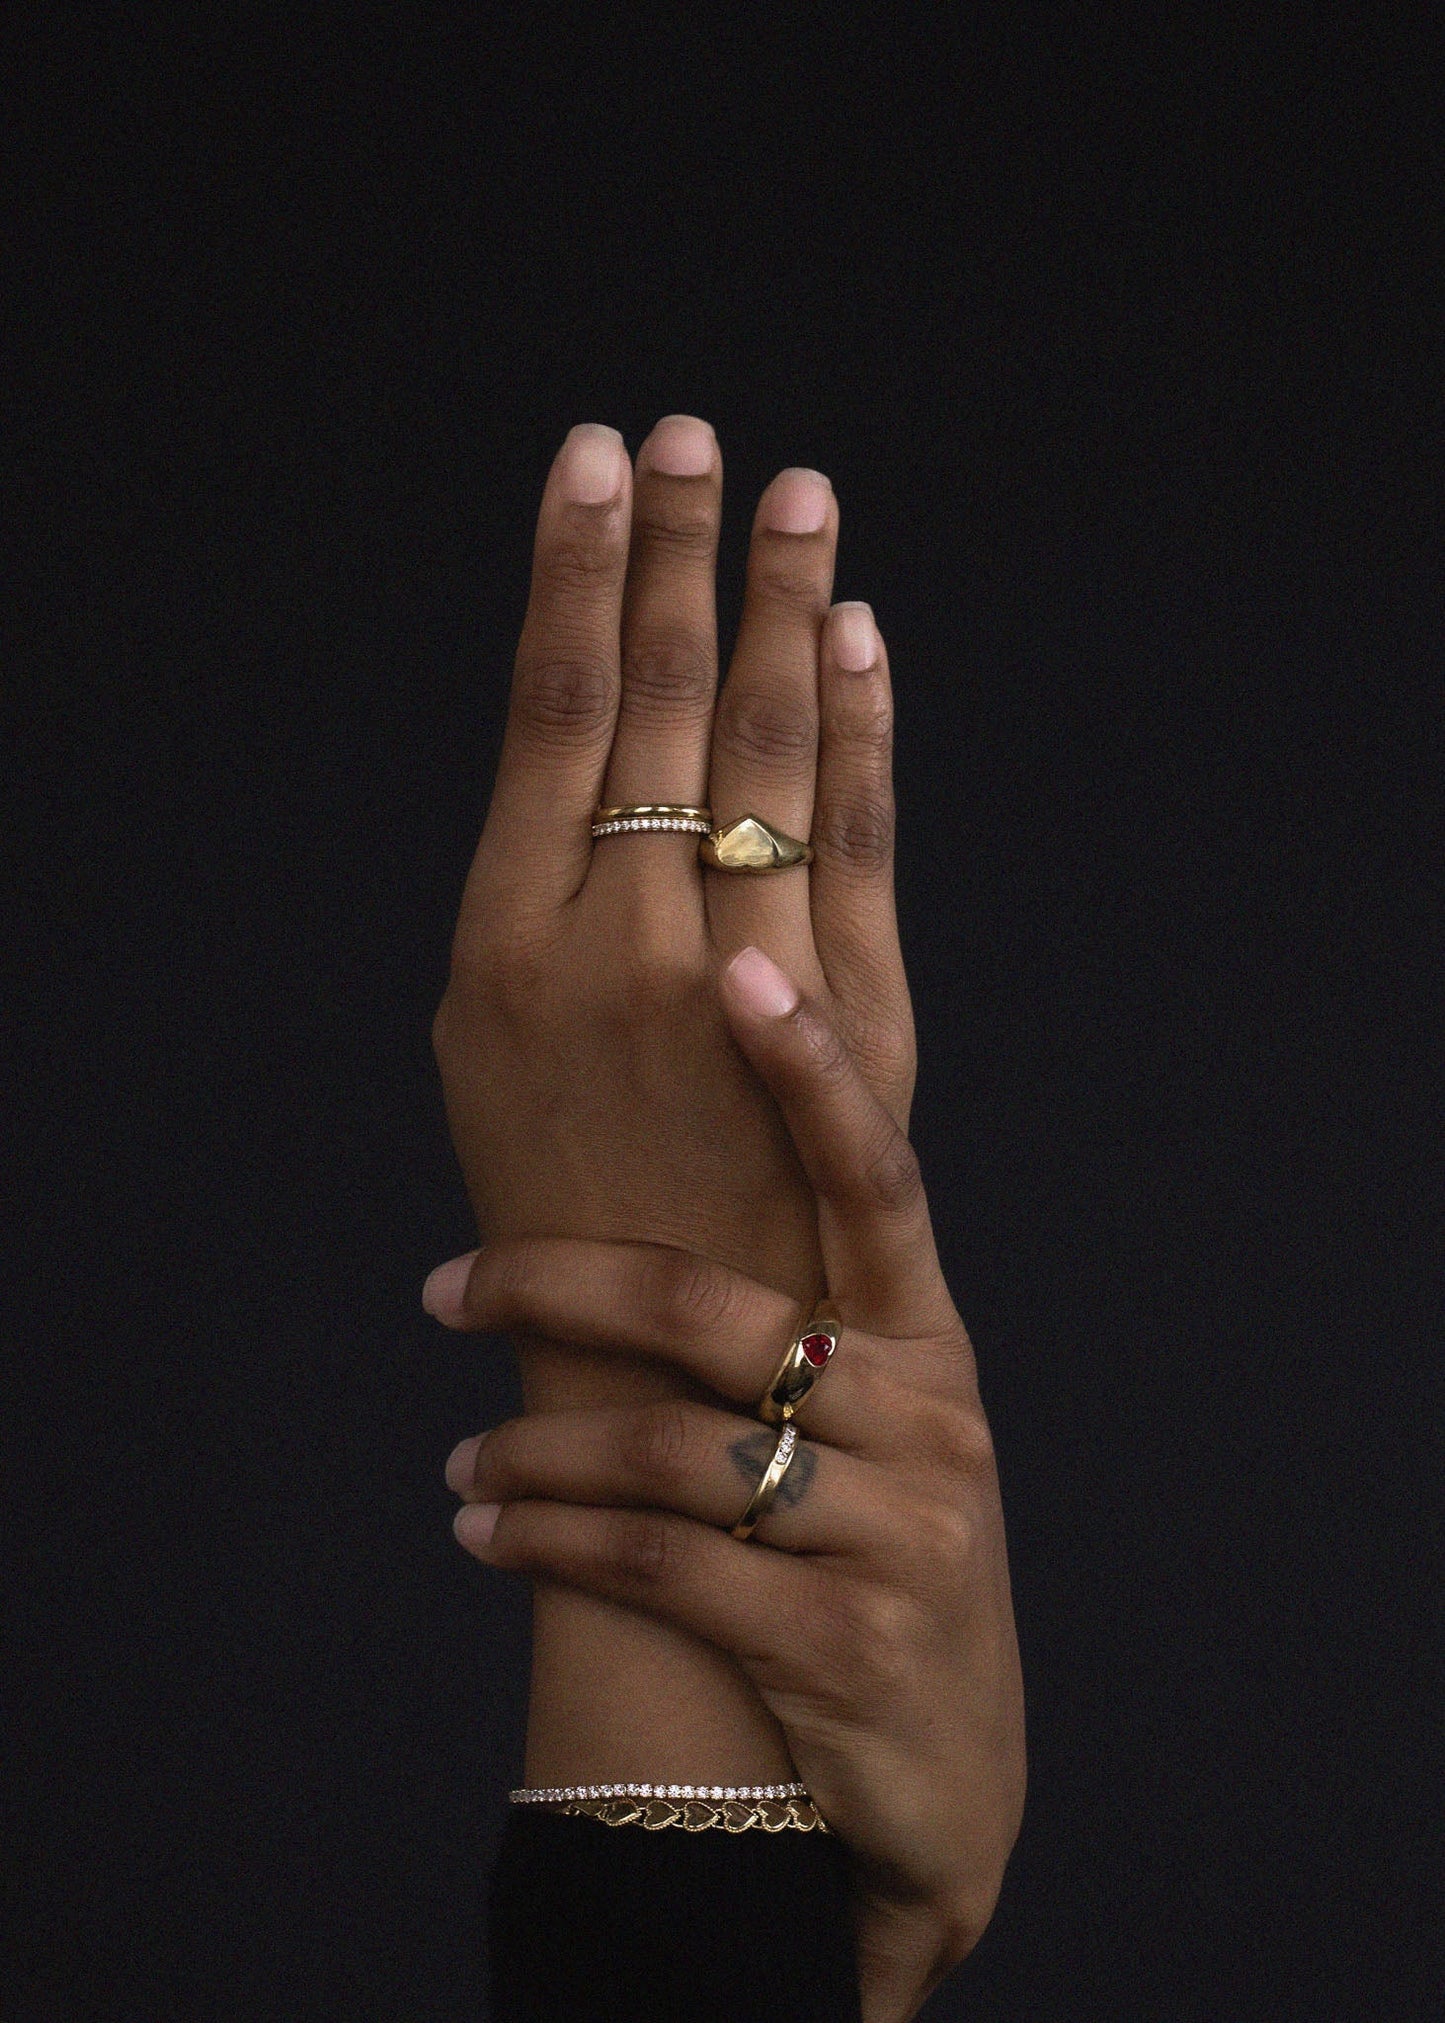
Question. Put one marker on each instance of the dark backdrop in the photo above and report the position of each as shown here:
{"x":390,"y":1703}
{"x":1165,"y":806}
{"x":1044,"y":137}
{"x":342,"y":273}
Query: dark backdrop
{"x":1120,"y":350}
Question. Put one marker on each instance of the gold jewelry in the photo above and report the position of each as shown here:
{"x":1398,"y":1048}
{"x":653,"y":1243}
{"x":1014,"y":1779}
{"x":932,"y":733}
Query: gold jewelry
{"x":651,"y":815}
{"x":751,"y":844}
{"x":569,"y":1794}
{"x":761,"y":1500}
{"x":694,"y":1807}
{"x":695,"y":1815}
{"x":807,"y":1358}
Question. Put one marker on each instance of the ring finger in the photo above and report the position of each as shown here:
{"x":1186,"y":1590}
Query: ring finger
{"x":648,"y":1299}
{"x":682,"y":1457}
{"x":765,"y":732}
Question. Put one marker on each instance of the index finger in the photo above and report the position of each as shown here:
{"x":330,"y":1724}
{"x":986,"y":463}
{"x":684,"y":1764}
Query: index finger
{"x":873,"y":1222}
{"x":536,"y":844}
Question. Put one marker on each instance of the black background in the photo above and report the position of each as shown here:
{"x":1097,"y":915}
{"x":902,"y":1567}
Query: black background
{"x":1120,"y":347}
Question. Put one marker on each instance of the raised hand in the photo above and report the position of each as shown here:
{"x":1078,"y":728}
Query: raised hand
{"x":590,"y":1082}
{"x":871,"y":1608}
{"x":592,"y":1085}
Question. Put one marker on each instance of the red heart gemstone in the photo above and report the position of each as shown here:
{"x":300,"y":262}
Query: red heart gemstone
{"x":817,"y":1349}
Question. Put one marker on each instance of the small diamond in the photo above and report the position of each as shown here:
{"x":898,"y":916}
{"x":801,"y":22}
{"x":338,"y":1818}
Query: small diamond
{"x":716,"y":1791}
{"x":674,"y":1791}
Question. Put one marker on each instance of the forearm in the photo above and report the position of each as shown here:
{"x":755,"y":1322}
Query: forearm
{"x":616,"y":1696}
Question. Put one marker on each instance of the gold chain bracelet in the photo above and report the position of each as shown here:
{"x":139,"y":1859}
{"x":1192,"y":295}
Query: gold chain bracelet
{"x":696,"y":1815}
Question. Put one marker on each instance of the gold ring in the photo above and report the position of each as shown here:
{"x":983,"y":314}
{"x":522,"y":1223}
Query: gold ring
{"x":809,"y":1353}
{"x":751,"y":844}
{"x":761,"y":1500}
{"x":642,"y":815}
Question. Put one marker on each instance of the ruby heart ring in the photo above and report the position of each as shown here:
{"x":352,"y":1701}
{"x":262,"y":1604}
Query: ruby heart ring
{"x":808,"y":1356}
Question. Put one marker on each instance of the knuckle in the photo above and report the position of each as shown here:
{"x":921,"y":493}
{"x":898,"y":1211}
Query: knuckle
{"x":864,"y":1640}
{"x":581,"y":558}
{"x":657,"y":1444}
{"x":856,"y":831}
{"x":694,"y":1293}
{"x":889,"y":1653}
{"x":783,"y":576}
{"x":866,"y":724}
{"x":667,"y":676}
{"x":962,"y":1442}
{"x":685,"y":530}
{"x":892,"y":1177}
{"x":943,"y":1538}
{"x":565,"y":698}
{"x":829,"y":1062}
{"x":641,"y":1549}
{"x":760,"y":724}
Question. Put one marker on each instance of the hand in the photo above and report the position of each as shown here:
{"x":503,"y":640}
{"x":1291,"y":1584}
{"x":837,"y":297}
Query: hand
{"x":872,"y":1608}
{"x":592,"y":1086}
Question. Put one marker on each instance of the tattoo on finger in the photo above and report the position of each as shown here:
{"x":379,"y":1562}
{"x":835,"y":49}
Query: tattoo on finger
{"x":751,"y":1455}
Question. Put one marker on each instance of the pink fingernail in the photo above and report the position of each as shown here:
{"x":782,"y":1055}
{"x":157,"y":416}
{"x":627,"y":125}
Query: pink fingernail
{"x":681,"y":446}
{"x":462,"y":1464}
{"x":796,"y":502}
{"x":441,"y":1296}
{"x":589,"y":465}
{"x":855,"y":637}
{"x":474,"y":1524}
{"x":761,"y":985}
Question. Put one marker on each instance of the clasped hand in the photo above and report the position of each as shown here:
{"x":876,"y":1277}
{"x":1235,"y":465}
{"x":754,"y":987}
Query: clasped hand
{"x":679,"y":1099}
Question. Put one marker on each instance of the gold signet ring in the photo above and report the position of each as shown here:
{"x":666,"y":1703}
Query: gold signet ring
{"x":751,"y":844}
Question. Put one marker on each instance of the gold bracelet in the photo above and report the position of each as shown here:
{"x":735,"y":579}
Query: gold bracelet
{"x":696,"y":1815}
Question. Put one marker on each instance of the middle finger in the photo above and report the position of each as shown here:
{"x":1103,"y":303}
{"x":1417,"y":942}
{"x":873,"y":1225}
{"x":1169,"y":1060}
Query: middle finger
{"x":765,"y":733}
{"x":669,"y":631}
{"x":729,"y":1331}
{"x":683,"y":1457}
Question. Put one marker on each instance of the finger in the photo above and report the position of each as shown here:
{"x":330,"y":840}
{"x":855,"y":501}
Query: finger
{"x":684,"y":1457}
{"x":650,"y":1299}
{"x":669,"y":628}
{"x":873,"y":1222}
{"x":855,"y":921}
{"x":765,"y":732}
{"x":730,"y":1592}
{"x":536,"y":844}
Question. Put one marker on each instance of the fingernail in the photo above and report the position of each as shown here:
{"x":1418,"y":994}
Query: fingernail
{"x":680,"y":446}
{"x":855,"y":637}
{"x":589,"y":464}
{"x":796,"y":502}
{"x":462,"y":1464}
{"x":474,"y":1524}
{"x":441,"y":1296}
{"x":761,"y":985}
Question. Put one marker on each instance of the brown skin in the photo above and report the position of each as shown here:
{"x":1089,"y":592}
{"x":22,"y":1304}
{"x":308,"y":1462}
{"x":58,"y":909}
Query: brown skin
{"x":878,"y":1628}
{"x":591,"y":1084}
{"x":598,"y":1087}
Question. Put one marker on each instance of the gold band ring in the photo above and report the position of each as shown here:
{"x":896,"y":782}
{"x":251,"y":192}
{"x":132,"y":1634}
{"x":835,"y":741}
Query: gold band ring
{"x":807,"y":1357}
{"x":751,"y":844}
{"x":761,"y":1500}
{"x":643,"y":815}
